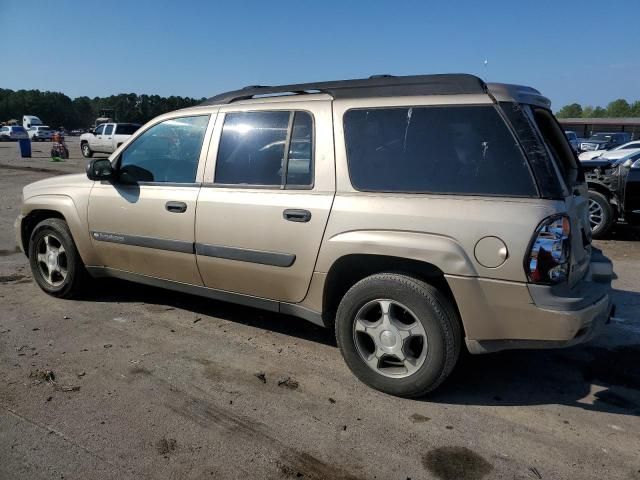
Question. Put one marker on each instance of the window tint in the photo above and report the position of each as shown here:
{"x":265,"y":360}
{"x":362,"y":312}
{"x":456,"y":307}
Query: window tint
{"x":300,"y":164}
{"x":99,"y":130}
{"x":557,"y":144}
{"x":108,"y":130}
{"x":167,"y":152}
{"x":463,"y":150}
{"x":124,"y":129}
{"x":252,"y":149}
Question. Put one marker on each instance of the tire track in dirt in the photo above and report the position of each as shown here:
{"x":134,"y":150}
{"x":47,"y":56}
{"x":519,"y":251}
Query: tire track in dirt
{"x":206,"y":414}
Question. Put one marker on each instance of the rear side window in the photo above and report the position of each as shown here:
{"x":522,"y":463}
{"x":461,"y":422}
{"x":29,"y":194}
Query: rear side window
{"x":266,"y":149}
{"x":126,"y":129}
{"x":108,"y":130}
{"x":557,"y":143}
{"x":458,"y":150}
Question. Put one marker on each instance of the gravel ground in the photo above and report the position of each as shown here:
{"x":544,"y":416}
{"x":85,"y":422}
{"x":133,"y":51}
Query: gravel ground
{"x":151,"y":384}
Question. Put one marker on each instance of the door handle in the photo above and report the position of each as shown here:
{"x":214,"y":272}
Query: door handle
{"x":176,"y":207}
{"x":296,"y":215}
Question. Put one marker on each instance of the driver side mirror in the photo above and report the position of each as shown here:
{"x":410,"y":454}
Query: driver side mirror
{"x":100,"y":169}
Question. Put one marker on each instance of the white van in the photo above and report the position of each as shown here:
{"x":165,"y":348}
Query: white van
{"x":29,"y":121}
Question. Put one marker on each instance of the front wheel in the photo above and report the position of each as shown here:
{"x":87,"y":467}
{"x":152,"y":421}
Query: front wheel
{"x":55,"y":262}
{"x":398,"y":334}
{"x":601,"y":214}
{"x":86,"y":150}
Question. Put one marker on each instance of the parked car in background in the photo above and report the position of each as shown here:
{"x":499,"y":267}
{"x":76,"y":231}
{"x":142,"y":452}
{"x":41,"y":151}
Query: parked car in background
{"x":366,"y":207}
{"x":572,"y":137}
{"x":12,"y":133}
{"x":614,"y":189}
{"x":106,"y":138}
{"x":29,"y":121}
{"x":76,"y":133}
{"x":39,"y":133}
{"x":597,"y":153}
{"x":604,"y":141}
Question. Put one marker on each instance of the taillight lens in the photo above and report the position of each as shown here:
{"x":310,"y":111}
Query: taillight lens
{"x":548,"y":259}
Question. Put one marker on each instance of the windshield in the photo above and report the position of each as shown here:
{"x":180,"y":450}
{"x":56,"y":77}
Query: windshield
{"x":617,"y":160}
{"x":18,"y":129}
{"x":600,"y":137}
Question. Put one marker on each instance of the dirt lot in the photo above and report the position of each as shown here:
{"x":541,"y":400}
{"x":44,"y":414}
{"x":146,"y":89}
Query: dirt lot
{"x":152,"y":384}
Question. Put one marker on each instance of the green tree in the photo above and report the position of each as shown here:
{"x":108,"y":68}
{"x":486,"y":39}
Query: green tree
{"x":634,"y":109}
{"x":573,"y":110}
{"x":599,"y":112}
{"x":618,"y":108}
{"x":587,"y":112}
{"x":56,"y":109}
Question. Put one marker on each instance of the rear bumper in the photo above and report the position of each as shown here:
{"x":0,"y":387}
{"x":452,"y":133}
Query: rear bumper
{"x":499,"y":315}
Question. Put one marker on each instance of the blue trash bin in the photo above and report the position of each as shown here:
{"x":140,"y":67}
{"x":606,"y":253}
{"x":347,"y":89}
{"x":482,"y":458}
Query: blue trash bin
{"x":25,"y":148}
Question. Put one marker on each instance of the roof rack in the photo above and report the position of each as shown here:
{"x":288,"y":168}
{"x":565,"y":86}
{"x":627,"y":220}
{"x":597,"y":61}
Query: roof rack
{"x":374,"y":86}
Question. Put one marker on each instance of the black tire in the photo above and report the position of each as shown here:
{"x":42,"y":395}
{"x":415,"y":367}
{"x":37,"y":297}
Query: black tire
{"x":601,"y":228}
{"x":86,"y":150}
{"x":431,"y":308}
{"x":76,"y":277}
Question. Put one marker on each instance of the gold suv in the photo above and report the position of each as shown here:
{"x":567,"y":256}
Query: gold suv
{"x":414,"y":215}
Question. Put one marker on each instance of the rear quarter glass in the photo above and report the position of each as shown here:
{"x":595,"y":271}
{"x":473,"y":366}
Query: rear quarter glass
{"x":466,"y":150}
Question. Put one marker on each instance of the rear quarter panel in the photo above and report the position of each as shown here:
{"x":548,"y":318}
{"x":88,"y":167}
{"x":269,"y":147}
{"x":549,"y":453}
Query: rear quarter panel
{"x":442,"y":230}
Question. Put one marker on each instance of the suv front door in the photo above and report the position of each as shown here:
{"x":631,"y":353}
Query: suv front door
{"x":95,"y":143}
{"x":106,"y":143}
{"x":268,"y":189}
{"x":143,"y":221}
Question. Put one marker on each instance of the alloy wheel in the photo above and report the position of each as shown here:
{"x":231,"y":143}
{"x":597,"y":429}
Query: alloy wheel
{"x":596,"y":214}
{"x":389,"y":338}
{"x":52,"y":260}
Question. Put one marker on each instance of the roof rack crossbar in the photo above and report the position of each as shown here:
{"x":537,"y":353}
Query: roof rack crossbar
{"x":377,"y":85}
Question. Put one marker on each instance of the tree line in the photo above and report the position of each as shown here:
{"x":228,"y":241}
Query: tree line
{"x":58,"y":110}
{"x":616,"y":109}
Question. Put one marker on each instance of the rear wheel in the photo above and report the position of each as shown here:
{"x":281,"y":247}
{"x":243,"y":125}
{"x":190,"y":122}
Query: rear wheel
{"x":86,"y":150}
{"x":398,"y":334}
{"x":601,"y":214}
{"x":55,"y":262}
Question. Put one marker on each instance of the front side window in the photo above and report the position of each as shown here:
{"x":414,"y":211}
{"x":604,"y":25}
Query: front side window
{"x":454,"y":149}
{"x":99,"y":130}
{"x":265,"y":149}
{"x":108,"y":130}
{"x":167,"y":152}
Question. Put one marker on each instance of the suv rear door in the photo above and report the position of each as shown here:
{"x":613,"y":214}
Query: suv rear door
{"x":268,"y":189}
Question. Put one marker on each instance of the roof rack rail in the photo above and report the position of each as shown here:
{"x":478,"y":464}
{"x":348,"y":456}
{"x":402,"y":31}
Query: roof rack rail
{"x":374,"y":86}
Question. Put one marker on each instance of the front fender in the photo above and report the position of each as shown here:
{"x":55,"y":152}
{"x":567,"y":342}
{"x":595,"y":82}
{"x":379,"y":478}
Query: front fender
{"x":74,"y":214}
{"x":438,"y":250}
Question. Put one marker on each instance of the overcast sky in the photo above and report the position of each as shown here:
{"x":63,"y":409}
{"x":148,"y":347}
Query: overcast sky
{"x":573,"y":51}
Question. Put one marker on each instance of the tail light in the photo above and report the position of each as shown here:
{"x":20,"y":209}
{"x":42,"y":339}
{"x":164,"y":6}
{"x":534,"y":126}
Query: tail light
{"x":548,"y":257}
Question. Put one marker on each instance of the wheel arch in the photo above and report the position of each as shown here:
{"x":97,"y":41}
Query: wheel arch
{"x":349,"y":269}
{"x":602,"y":189}
{"x":41,"y":207}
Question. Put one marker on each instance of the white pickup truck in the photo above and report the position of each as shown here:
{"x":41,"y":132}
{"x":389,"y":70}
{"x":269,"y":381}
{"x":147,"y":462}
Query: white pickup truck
{"x":106,"y":138}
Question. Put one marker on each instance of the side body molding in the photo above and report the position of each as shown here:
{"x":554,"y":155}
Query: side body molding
{"x":443,"y":252}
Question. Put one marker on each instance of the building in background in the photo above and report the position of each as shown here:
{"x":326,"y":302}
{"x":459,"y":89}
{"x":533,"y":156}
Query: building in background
{"x":585,"y":127}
